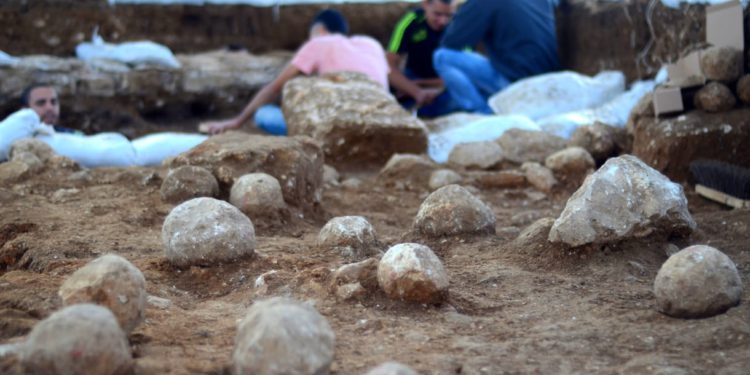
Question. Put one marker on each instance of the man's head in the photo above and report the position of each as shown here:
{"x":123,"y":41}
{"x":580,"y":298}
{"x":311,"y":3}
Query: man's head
{"x":329,"y":21}
{"x":42,"y":98}
{"x":438,"y":13}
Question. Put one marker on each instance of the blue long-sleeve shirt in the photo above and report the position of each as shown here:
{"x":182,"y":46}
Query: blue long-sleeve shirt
{"x":519,"y":35}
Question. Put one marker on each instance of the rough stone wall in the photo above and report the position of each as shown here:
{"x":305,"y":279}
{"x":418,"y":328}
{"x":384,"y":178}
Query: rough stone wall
{"x":55,"y":27}
{"x":593,"y":34}
{"x":634,"y":36}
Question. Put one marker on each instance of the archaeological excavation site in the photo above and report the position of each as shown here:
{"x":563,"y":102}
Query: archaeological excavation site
{"x":437,"y":187}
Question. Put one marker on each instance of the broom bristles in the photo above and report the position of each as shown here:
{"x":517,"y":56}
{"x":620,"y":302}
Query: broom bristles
{"x":727,"y":178}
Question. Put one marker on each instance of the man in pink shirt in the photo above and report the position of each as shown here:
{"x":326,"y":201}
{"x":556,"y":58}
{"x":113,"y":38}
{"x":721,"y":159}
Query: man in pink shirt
{"x":327,"y":50}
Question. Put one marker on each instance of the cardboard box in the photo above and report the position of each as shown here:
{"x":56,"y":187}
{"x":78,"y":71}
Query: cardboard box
{"x":724,"y":25}
{"x":686,"y":72}
{"x":668,"y":100}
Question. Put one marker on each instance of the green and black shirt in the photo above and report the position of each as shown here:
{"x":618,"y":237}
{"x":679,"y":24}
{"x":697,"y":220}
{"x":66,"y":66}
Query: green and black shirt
{"x":414,"y":37}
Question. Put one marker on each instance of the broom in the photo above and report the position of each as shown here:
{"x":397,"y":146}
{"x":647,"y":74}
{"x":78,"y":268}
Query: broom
{"x":722,"y":182}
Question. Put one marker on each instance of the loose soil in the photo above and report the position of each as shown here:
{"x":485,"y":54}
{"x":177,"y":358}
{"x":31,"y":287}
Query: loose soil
{"x":510,"y":310}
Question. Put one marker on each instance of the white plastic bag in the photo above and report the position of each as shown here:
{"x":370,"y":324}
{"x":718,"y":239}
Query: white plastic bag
{"x":152,"y":149}
{"x":100,"y":150}
{"x":487,"y":129}
{"x":6,"y":59}
{"x":19,"y":125}
{"x":557,"y":93}
{"x":132,"y":53}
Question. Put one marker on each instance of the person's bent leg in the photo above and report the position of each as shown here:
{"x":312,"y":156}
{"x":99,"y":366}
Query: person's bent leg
{"x":441,"y":106}
{"x":270,"y":119}
{"x":469,"y":78}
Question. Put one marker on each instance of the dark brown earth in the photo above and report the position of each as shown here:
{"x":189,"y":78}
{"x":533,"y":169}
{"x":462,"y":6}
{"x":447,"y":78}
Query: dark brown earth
{"x":511,"y":309}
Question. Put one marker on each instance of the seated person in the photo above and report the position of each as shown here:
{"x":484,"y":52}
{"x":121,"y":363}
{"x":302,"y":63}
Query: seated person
{"x":42,"y":99}
{"x":519,"y":37}
{"x":416,"y":37}
{"x":327,"y":50}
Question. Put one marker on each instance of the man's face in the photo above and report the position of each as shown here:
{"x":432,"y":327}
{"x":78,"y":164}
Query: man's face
{"x":43,"y":100}
{"x":438,"y":13}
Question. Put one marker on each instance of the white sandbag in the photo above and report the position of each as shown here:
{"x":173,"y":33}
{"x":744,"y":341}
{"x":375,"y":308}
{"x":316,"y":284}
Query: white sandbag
{"x":7,"y":60}
{"x":19,"y":125}
{"x":614,"y":113}
{"x":557,"y":93}
{"x":100,"y":150}
{"x":676,"y":3}
{"x":565,"y":124}
{"x":133,"y":53}
{"x":152,"y":149}
{"x":486,"y":129}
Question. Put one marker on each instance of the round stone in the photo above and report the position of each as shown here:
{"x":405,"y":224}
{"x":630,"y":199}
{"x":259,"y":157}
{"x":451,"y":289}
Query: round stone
{"x":477,"y":155}
{"x":351,"y":236}
{"x":697,"y":282}
{"x":79,"y":339}
{"x":110,"y":281}
{"x":443,"y":177}
{"x":392,"y":368}
{"x":205,"y":231}
{"x":743,"y":89}
{"x":572,"y":162}
{"x":722,"y":64}
{"x":453,"y":210}
{"x":188,"y":182}
{"x":715,"y":97}
{"x":412,"y":272}
{"x":30,"y":159}
{"x":283,"y":336}
{"x":257,"y":195}
{"x":34,"y":146}
{"x":539,"y":176}
{"x":330,"y":175}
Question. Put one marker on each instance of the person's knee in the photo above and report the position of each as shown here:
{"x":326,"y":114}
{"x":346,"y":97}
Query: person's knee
{"x":440,"y":58}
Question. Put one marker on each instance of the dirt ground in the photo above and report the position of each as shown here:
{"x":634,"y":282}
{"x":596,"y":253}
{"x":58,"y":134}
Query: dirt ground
{"x":511,"y":310}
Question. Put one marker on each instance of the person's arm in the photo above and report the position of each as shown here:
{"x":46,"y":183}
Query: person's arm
{"x":267,"y":94}
{"x":397,"y":79}
{"x":469,"y":25}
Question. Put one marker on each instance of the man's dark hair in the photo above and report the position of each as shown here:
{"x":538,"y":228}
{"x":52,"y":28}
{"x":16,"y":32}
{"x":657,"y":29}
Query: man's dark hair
{"x":332,"y":20}
{"x":27,"y":92}
{"x":448,"y":2}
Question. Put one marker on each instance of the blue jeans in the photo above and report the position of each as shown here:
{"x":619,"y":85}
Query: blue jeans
{"x":469,"y":77}
{"x":270,"y":119}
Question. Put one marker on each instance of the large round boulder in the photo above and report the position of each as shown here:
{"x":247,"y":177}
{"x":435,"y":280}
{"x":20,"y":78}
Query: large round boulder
{"x":412,"y":272}
{"x":110,"y":281}
{"x":351,"y":236}
{"x":715,"y":97}
{"x":79,"y":339}
{"x":258,"y":195}
{"x":281,"y":336}
{"x":188,"y":182}
{"x":722,"y":64}
{"x":697,"y":282}
{"x":453,"y":210}
{"x":205,"y":231}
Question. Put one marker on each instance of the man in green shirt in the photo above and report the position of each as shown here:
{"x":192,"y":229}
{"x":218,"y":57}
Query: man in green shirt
{"x":415,"y":39}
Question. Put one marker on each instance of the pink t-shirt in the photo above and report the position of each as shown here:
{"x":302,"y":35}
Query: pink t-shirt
{"x":337,"y":53}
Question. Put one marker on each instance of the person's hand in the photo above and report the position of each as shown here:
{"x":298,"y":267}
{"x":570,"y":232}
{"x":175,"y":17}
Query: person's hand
{"x":218,"y":127}
{"x":426,"y":96}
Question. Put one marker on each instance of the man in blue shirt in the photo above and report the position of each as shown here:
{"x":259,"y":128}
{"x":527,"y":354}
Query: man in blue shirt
{"x":519,"y":37}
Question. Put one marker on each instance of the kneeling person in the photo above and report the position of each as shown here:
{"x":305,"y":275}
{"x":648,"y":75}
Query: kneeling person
{"x":328,"y":50}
